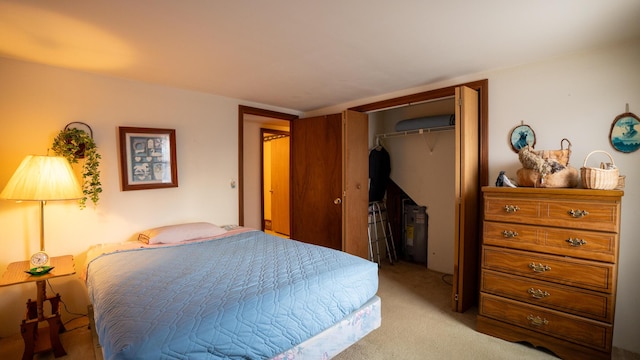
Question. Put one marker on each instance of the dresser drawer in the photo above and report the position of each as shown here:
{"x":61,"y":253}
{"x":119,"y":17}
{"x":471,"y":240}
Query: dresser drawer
{"x":594,"y":305}
{"x":511,"y":209}
{"x":574,"y":272}
{"x":582,"y":215}
{"x":593,"y":245}
{"x":582,"y":331}
{"x":577,"y":214}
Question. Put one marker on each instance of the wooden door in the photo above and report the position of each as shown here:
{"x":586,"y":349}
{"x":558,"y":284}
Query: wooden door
{"x":329,"y":181}
{"x":355,"y":183}
{"x":316,"y":180}
{"x":465,"y":271}
{"x":280,"y":217}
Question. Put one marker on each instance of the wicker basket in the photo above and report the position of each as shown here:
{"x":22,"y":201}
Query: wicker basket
{"x":599,"y":178}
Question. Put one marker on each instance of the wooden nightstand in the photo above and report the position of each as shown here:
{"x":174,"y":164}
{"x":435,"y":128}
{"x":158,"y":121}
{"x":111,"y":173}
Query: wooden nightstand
{"x":46,"y":338}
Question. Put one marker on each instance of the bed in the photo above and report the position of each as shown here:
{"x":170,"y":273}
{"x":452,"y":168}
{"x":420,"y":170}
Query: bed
{"x":236,"y":294}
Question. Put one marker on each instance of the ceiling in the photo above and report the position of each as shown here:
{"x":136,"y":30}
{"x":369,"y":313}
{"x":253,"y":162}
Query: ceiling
{"x":304,"y":54}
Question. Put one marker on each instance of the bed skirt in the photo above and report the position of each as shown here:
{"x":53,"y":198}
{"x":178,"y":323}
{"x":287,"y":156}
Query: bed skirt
{"x":340,"y":336}
{"x":325,"y":345}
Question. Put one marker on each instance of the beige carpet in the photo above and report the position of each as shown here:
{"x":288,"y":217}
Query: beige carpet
{"x":418,"y":323}
{"x":76,"y":342}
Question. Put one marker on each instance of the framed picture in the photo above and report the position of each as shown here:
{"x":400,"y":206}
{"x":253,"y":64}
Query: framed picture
{"x":624,"y":136}
{"x":521,"y":136}
{"x":147,"y":158}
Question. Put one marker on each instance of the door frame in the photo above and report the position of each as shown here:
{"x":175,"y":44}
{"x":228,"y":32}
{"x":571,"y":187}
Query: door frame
{"x":244,"y":110}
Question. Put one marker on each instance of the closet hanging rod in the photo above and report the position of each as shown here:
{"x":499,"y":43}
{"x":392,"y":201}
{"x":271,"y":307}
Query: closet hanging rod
{"x":416,"y":131}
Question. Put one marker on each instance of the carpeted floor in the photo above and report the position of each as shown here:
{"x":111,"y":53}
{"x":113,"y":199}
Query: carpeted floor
{"x":417,"y":323}
{"x":76,"y":341}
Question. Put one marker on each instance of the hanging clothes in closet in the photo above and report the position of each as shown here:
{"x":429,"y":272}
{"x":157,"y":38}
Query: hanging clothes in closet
{"x":379,"y":171}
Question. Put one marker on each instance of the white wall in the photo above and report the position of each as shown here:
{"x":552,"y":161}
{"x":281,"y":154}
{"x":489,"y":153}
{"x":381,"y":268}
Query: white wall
{"x":36,"y":102}
{"x":576,"y":97}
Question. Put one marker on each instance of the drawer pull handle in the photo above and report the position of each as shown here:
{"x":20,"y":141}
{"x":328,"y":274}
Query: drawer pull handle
{"x":537,"y":320}
{"x":511,"y":208}
{"x":576,"y":242}
{"x":539,"y":267}
{"x":509,"y":233}
{"x":578,"y":213}
{"x":538,"y":294}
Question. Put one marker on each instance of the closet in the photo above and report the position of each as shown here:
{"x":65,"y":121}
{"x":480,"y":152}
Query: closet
{"x":423,"y":166}
{"x":447,"y":177}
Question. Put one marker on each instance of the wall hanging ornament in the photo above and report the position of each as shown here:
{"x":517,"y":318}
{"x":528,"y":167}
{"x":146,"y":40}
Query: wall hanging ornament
{"x":521,"y":136}
{"x":624,"y":136}
{"x":147,"y":158}
{"x":75,"y":144}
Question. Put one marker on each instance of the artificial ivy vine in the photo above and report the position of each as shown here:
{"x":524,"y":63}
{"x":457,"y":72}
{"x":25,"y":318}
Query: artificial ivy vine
{"x":75,"y":144}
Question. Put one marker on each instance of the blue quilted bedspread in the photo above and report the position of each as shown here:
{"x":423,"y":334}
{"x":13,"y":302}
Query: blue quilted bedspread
{"x":246,"y":296}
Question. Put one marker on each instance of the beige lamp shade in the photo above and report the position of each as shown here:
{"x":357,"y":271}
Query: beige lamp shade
{"x":43,"y":178}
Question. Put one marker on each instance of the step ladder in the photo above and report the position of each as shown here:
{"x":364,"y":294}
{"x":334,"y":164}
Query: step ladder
{"x":380,"y":230}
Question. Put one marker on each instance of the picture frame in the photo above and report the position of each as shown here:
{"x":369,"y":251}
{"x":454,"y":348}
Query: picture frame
{"x":624,"y":137}
{"x":521,"y":136}
{"x":147,"y":158}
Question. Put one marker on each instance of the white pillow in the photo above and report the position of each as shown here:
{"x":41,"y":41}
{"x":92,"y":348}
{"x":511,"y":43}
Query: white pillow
{"x":181,"y":232}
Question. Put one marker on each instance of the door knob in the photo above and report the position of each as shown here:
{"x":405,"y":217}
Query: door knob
{"x":337,"y":201}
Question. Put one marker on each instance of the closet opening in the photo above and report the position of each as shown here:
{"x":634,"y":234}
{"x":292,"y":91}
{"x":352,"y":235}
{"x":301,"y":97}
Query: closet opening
{"x":420,"y":140}
{"x":449,"y":171}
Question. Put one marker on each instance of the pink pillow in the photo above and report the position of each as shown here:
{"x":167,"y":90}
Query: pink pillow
{"x":181,"y":232}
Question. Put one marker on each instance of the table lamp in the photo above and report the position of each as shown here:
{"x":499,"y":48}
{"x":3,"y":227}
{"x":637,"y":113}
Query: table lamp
{"x":42,"y":179}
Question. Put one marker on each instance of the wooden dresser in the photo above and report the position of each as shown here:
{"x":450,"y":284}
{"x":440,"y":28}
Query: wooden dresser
{"x":549,"y":268}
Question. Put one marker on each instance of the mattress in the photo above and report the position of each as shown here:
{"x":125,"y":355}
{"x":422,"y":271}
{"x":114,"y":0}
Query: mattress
{"x":247,"y":295}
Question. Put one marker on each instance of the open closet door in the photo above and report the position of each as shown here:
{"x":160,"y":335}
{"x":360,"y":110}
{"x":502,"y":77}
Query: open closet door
{"x":316,"y":180}
{"x":355,"y":183}
{"x":329,"y":178}
{"x":465,"y":271}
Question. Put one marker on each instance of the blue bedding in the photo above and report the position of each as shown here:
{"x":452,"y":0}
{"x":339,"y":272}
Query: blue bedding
{"x":245,"y":296}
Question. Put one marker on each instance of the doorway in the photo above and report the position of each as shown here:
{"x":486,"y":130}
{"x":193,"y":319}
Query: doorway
{"x":474,"y":155}
{"x":275,"y":182}
{"x":423,"y":168}
{"x":250,"y":121}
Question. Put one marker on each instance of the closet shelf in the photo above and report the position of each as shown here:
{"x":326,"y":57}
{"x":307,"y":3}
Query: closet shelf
{"x":416,"y":131}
